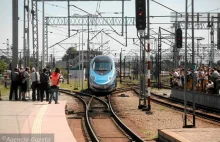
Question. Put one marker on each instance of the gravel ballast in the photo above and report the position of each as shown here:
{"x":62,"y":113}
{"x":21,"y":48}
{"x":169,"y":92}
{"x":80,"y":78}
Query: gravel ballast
{"x":161,"y":117}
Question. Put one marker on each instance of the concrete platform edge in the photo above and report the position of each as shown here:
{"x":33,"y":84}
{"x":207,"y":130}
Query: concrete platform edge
{"x":167,"y":135}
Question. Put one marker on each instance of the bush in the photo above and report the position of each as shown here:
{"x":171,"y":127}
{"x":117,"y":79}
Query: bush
{"x":3,"y":66}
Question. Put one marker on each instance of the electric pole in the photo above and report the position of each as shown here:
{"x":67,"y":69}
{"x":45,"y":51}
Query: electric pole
{"x":15,"y":33}
{"x":124,"y":67}
{"x":120,"y":65}
{"x":68,"y":70}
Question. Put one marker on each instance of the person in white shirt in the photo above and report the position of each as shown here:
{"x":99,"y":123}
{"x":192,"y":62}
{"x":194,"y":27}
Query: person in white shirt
{"x":176,"y":74}
{"x":24,"y":84}
{"x":35,"y":79}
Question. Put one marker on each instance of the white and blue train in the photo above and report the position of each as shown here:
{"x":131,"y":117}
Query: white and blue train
{"x":102,"y":74}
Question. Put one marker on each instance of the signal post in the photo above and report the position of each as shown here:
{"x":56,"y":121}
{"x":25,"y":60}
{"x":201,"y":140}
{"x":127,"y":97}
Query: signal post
{"x":140,"y":6}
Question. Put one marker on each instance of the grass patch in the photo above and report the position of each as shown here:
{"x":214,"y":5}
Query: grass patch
{"x":74,"y":84}
{"x":4,"y":91}
{"x":162,"y":108}
{"x":125,"y":82}
{"x":146,"y":132}
{"x":149,"y":135}
{"x":121,"y":85}
{"x":153,"y":137}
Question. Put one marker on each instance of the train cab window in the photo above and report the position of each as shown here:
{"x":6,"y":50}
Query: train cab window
{"x":102,"y":66}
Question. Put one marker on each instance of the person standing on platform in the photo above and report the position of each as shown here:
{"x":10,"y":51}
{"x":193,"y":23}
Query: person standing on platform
{"x":214,"y":77}
{"x":35,"y":79}
{"x":55,"y":83}
{"x":20,"y":72}
{"x":171,"y":78}
{"x":44,"y":85}
{"x":14,"y":84}
{"x":24,"y":84}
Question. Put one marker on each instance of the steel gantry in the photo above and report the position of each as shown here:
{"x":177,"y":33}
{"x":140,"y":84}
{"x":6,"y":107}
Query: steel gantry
{"x":159,"y":59}
{"x":35,"y":34}
{"x":34,"y":12}
{"x":26,"y":52}
{"x":202,"y":22}
{"x":101,"y":21}
{"x":113,"y":21}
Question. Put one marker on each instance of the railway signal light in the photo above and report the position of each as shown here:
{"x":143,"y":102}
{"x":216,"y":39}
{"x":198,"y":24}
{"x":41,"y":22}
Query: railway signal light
{"x":179,"y":38}
{"x":140,"y":6}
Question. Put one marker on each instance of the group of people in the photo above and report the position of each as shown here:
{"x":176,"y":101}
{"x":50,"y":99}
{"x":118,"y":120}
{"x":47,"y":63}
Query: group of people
{"x":206,"y":79}
{"x":42,"y":84}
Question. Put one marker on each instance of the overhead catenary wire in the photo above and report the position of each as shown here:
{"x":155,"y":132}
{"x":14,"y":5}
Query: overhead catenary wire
{"x":61,"y":6}
{"x":97,"y":10}
{"x":49,"y":15}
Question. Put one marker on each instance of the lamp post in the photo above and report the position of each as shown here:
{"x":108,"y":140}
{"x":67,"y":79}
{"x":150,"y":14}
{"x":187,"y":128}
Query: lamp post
{"x":199,"y":39}
{"x":82,"y":61}
{"x":124,"y":67}
{"x":68,"y":69}
{"x":20,"y":59}
{"x":120,"y":64}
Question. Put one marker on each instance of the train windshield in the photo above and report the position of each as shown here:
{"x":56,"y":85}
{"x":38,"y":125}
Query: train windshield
{"x":102,"y":66}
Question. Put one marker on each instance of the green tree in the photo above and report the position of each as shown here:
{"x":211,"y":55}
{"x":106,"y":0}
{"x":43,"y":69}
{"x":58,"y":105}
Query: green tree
{"x":64,"y":72}
{"x":3,"y":66}
{"x":70,"y":53}
{"x":5,"y":59}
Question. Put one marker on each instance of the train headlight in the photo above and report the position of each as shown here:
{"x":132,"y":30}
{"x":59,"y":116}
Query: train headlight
{"x":109,"y":78}
{"x":92,"y":77}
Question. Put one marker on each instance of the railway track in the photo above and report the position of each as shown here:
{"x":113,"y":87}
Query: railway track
{"x":101,"y":122}
{"x":201,"y":111}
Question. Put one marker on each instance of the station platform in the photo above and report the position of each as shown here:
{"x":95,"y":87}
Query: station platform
{"x":189,"y":135}
{"x":17,"y":117}
{"x":209,"y":100}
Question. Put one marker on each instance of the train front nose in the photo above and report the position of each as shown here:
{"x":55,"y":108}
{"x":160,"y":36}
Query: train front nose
{"x":102,"y":82}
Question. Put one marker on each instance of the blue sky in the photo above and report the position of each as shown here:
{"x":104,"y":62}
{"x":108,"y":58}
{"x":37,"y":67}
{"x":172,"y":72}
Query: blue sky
{"x":59,"y":9}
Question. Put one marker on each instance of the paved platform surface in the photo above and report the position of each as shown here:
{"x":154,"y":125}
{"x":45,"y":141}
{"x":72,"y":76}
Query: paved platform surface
{"x":189,"y":135}
{"x":35,"y":118}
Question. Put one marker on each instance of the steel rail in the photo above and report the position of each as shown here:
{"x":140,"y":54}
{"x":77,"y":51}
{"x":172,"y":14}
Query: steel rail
{"x":134,"y":136}
{"x":107,"y":106}
{"x":211,"y":117}
{"x":198,"y":106}
{"x":90,"y":130}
